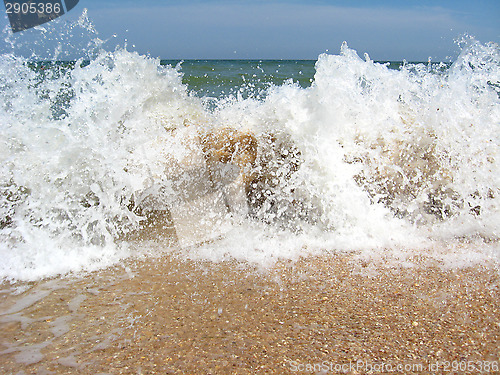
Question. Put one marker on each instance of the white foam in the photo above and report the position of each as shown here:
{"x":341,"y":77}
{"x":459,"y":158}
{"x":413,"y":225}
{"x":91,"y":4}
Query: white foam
{"x":401,"y":159}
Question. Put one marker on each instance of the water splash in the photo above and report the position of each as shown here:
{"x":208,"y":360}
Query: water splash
{"x":367,"y":158}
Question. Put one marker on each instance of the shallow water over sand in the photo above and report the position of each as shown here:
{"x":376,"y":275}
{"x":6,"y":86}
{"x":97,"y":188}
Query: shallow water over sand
{"x":170,"y":315}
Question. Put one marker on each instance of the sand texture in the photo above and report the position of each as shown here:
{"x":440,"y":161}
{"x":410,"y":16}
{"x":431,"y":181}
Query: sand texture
{"x":328,"y":314}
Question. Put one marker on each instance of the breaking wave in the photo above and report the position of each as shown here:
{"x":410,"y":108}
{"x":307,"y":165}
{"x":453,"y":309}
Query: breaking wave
{"x":97,"y":156}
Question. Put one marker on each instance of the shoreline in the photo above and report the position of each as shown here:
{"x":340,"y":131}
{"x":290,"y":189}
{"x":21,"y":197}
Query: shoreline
{"x":165,"y":315}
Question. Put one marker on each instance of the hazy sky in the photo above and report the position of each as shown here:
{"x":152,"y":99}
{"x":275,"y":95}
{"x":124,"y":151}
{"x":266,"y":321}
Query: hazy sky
{"x":286,"y":29}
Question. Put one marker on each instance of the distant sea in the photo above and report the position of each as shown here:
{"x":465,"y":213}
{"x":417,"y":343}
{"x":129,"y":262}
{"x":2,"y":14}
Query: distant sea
{"x":248,"y":78}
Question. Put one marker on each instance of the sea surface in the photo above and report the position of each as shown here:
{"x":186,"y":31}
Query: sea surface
{"x":242,"y":78}
{"x":352,"y":155}
{"x":252,"y":78}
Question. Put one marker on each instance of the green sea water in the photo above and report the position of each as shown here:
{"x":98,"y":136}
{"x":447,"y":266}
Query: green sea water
{"x":245,"y":78}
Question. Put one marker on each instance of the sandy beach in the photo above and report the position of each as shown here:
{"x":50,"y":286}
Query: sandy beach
{"x":328,"y":314}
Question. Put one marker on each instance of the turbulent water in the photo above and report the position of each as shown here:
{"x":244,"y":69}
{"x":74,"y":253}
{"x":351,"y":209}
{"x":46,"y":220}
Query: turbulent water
{"x":350,"y":155}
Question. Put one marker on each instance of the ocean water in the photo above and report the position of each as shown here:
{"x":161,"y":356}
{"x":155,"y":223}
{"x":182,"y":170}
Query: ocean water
{"x":350,"y":155}
{"x":241,"y":78}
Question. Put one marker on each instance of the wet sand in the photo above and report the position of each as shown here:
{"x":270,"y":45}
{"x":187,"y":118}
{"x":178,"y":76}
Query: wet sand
{"x":329,"y":314}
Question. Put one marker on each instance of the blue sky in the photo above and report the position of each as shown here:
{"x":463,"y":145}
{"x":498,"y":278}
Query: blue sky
{"x":287,"y":29}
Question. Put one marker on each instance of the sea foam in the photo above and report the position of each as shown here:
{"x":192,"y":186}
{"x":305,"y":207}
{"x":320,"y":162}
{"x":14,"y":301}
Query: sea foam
{"x":366,"y":159}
